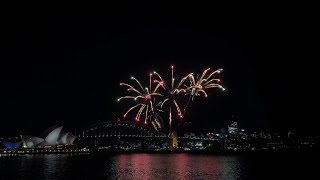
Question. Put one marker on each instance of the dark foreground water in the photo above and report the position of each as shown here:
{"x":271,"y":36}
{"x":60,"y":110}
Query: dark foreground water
{"x":159,"y":166}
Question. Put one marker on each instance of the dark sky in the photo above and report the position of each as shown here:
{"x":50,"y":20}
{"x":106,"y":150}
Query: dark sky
{"x":66,"y":70}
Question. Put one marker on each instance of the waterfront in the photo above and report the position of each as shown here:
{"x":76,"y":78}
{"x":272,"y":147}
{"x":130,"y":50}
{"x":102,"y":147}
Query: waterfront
{"x":113,"y":165}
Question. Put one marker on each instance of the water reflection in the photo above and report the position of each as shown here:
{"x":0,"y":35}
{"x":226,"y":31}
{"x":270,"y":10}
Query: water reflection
{"x":177,"y":166}
{"x":49,"y":166}
{"x":150,"y":166}
{"x":54,"y":166}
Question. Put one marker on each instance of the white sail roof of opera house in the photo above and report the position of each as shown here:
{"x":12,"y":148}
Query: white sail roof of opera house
{"x":63,"y":137}
{"x":70,"y":139}
{"x":36,"y":141}
{"x":54,"y":136}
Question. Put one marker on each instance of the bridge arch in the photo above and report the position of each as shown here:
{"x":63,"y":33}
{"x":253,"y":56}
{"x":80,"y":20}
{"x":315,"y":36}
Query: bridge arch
{"x":119,"y":129}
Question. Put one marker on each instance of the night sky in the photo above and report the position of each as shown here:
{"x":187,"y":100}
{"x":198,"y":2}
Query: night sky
{"x":66,"y":70}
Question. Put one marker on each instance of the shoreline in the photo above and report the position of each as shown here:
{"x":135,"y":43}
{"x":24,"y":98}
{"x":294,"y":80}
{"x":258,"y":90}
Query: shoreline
{"x":157,"y":151}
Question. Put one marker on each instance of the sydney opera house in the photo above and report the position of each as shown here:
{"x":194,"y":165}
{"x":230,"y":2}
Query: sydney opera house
{"x":50,"y":138}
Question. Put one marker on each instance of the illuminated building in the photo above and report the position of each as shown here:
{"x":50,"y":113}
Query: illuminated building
{"x":233,"y":128}
{"x":53,"y":136}
{"x":11,"y":145}
{"x":173,"y":139}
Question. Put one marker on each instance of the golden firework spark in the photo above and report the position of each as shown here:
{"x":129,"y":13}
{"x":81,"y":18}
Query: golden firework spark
{"x":200,"y":84}
{"x":144,"y":97}
{"x":149,"y":100}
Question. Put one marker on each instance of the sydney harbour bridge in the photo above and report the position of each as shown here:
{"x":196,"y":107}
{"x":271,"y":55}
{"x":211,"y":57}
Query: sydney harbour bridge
{"x":118,"y":133}
{"x":127,"y":134}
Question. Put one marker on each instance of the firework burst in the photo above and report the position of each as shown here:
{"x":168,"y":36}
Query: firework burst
{"x":145,"y":100}
{"x":199,"y":84}
{"x":171,"y":91}
{"x":149,"y":101}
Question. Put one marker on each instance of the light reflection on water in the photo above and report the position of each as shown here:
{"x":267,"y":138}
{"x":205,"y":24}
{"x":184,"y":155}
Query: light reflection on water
{"x":177,"y":166}
{"x":147,"y":166}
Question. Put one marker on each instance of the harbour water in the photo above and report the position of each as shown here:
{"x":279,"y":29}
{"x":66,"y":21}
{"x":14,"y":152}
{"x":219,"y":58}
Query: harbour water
{"x":156,"y":166}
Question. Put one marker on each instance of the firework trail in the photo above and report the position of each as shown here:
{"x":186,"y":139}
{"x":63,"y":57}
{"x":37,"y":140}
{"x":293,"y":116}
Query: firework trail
{"x":171,"y":90}
{"x":149,"y":100}
{"x":199,"y":86}
{"x":145,"y":103}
